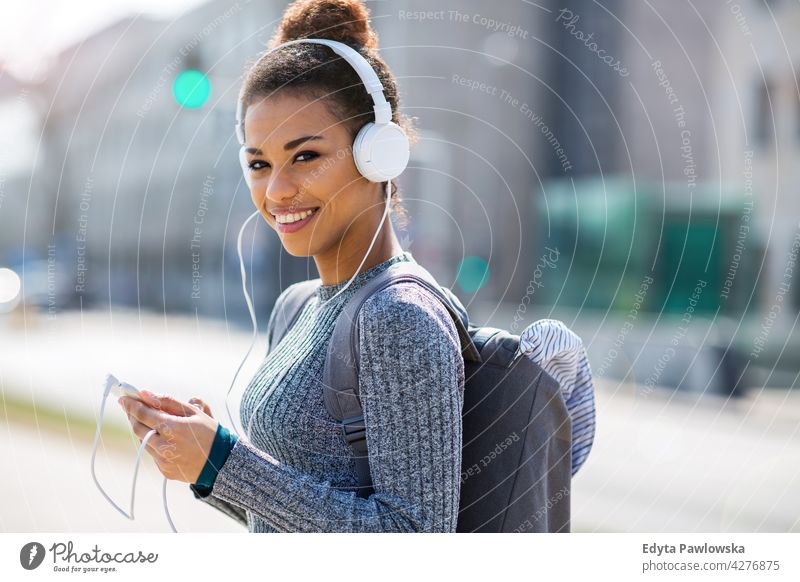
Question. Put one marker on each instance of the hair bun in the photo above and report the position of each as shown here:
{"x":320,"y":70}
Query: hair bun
{"x":343,"y":20}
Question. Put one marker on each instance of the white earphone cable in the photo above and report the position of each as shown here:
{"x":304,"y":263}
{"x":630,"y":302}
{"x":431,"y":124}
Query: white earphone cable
{"x":252,"y":318}
{"x":371,"y":244}
{"x":374,"y":237}
{"x":139,"y":453}
{"x":130,"y":513}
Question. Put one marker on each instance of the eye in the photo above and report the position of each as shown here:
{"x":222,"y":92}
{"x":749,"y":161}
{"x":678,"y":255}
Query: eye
{"x":310,"y":156}
{"x":256,"y":165}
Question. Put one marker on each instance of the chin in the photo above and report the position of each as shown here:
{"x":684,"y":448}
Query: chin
{"x":296,"y":253}
{"x":298,"y":250}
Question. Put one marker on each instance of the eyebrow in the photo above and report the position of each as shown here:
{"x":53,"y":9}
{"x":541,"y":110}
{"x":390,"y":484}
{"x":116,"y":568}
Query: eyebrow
{"x":288,"y":146}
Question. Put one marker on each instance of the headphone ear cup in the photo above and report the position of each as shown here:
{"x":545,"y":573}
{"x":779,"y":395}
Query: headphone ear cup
{"x":381,"y":151}
{"x":245,"y":168}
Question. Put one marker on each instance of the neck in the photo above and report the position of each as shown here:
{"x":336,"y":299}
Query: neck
{"x":339,"y":263}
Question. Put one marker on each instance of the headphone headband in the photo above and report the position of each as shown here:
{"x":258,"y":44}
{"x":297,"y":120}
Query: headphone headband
{"x":383,"y":111}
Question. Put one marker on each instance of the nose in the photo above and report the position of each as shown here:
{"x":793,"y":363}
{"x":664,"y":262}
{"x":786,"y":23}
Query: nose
{"x":280,"y":187}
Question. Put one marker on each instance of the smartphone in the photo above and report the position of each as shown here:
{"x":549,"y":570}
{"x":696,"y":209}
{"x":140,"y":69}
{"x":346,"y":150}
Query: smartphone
{"x":121,"y":388}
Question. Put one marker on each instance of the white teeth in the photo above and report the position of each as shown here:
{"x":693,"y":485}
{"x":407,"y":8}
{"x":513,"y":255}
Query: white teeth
{"x":290,"y":218}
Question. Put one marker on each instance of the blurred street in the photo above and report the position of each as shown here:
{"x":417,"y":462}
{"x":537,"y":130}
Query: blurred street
{"x":664,"y":462}
{"x":688,"y":465}
{"x":49,"y":488}
{"x":59,"y":366}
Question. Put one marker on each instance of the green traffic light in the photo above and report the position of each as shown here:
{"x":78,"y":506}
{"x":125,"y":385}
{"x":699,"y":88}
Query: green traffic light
{"x":472,"y":274}
{"x":191,"y":88}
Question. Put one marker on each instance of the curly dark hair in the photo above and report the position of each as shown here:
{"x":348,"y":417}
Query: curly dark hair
{"x":318,"y":72}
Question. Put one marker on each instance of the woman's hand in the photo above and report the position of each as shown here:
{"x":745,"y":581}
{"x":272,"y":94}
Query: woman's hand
{"x":185,"y":432}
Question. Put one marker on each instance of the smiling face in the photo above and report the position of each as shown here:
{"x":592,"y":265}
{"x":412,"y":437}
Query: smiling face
{"x":300,"y":160}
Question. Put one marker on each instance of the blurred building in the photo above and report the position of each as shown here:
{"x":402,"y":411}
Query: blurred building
{"x":634,"y":139}
{"x":684,"y":184}
{"x":124,"y":170}
{"x":145,"y":191}
{"x":477,"y":78}
{"x":760,"y":141}
{"x":19,"y":111}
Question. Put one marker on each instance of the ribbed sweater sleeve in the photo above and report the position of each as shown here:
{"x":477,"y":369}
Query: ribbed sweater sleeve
{"x":411,"y":377}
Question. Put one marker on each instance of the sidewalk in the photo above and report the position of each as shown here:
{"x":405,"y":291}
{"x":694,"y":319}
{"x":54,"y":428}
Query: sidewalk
{"x":662,"y":463}
{"x":48,"y":487}
{"x":59,"y":366}
{"x":691,"y":465}
{"x":62,"y":362}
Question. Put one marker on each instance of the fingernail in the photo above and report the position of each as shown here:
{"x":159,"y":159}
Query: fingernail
{"x":150,"y":395}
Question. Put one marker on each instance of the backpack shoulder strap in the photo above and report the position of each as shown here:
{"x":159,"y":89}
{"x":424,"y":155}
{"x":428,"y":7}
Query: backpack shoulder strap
{"x":287,"y":308}
{"x":340,"y":380}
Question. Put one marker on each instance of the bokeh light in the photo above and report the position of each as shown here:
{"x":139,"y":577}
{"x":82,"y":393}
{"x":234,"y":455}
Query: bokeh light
{"x":472,"y":273}
{"x":191,"y":88}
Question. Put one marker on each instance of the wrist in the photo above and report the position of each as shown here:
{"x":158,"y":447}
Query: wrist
{"x":217,"y":455}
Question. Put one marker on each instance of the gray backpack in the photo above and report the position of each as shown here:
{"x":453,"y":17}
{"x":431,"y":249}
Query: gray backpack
{"x":516,"y":452}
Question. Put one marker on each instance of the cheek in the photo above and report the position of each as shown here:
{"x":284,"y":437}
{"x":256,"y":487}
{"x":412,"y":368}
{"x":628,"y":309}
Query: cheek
{"x":334,"y":181}
{"x":337,"y":173}
{"x":350,"y":210}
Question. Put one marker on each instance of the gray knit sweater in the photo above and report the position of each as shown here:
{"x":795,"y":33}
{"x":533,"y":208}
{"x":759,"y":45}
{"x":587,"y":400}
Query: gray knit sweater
{"x":292,"y":476}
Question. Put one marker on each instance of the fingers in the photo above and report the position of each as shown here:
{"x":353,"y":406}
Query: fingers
{"x":141,"y":430}
{"x":150,"y":417}
{"x":154,"y":409}
{"x":172,"y":470}
{"x":160,"y":445}
{"x":156,"y":444}
{"x":168,"y":404}
{"x":201,"y":405}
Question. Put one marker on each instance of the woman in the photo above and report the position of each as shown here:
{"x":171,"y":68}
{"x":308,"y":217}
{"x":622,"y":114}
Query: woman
{"x":302,"y":108}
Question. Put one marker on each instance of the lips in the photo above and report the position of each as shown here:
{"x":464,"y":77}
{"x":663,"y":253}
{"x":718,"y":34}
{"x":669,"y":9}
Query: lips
{"x":292,"y":215}
{"x":289,"y":227}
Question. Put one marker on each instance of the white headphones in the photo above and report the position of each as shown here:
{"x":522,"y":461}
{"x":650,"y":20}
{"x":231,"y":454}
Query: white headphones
{"x":381,"y":149}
